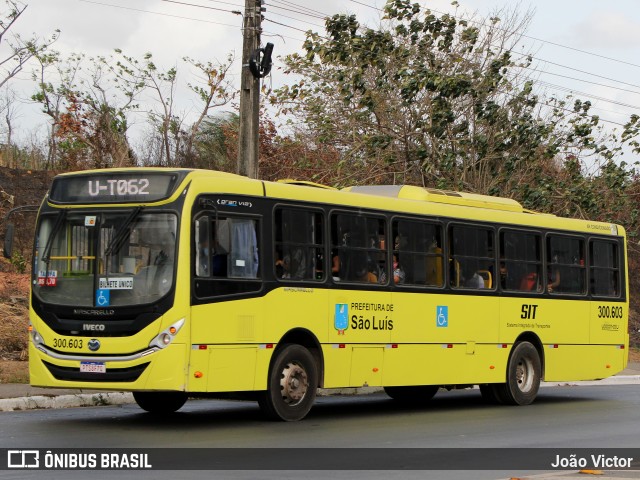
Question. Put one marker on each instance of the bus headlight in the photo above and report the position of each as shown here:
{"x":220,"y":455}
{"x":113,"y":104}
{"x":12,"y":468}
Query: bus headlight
{"x":164,"y":338}
{"x":35,"y":336}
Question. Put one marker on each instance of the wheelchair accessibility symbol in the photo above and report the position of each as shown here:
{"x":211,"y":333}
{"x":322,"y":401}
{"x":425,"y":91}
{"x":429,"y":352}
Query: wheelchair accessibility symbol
{"x":442,"y":316}
{"x":103,"y":298}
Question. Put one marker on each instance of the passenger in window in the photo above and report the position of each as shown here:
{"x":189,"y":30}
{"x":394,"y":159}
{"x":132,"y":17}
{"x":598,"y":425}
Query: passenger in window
{"x":335,"y":265}
{"x":398,"y":272}
{"x":529,"y":282}
{"x":280,"y":271}
{"x":364,"y":269}
{"x":473,"y":280}
{"x":293,"y":264}
{"x":554,"y":277}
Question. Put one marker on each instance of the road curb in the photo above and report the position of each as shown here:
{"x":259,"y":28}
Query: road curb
{"x":35,"y":402}
{"x":65,"y":401}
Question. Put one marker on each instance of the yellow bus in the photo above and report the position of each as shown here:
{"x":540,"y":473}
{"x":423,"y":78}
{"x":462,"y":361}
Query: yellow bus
{"x":177,"y":283}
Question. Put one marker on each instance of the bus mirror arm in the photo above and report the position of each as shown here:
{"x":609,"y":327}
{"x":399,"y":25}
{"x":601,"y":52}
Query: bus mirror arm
{"x":8,"y":240}
{"x":10,"y":229}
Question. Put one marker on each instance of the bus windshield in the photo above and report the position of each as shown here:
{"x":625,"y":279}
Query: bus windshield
{"x":104,"y":259}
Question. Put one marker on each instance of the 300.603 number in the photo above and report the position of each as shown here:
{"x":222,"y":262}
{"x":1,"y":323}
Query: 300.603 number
{"x":67,"y":343}
{"x":609,"y":312}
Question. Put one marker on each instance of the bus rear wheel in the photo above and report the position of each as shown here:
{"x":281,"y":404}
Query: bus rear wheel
{"x":414,"y":394}
{"x":524,"y":373}
{"x":292,"y":385}
{"x":160,"y":402}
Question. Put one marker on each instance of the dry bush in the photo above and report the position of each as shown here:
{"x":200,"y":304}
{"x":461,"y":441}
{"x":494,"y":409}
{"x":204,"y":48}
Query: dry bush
{"x":14,"y":312}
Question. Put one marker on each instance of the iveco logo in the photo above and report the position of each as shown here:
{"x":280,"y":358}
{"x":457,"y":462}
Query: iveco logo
{"x":94,"y":344}
{"x":93,"y":326}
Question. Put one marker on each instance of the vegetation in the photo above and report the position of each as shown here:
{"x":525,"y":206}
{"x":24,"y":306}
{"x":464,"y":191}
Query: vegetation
{"x":425,"y":99}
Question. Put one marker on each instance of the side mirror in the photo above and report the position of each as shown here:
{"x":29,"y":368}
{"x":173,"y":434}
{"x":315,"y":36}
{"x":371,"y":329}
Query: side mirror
{"x":8,"y":240}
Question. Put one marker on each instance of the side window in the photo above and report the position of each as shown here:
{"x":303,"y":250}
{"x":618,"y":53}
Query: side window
{"x":236,"y":238}
{"x":202,"y":237}
{"x":520,"y":266}
{"x":299,"y":249}
{"x":605,"y":268}
{"x":472,"y":261}
{"x":565,"y":265}
{"x":226,"y":250}
{"x":358,"y":252}
{"x":417,"y":253}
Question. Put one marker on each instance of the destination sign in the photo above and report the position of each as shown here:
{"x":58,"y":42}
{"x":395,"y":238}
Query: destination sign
{"x":116,"y":187}
{"x":120,"y":283}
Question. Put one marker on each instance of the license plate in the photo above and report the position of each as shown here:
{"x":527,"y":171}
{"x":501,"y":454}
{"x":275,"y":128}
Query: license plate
{"x":93,"y":367}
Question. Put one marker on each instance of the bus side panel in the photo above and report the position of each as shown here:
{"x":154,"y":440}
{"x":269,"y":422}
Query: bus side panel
{"x":553,"y":321}
{"x":358,"y":325}
{"x":445,"y":364}
{"x":366,"y":366}
{"x":427,"y":318}
{"x":578,"y":362}
{"x":227,"y":323}
{"x":609,"y":323}
{"x":224,"y":368}
{"x":337,"y":365}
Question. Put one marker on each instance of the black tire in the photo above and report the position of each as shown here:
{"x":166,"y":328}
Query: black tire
{"x":524,"y":373}
{"x":160,"y":402}
{"x":414,"y":395}
{"x":292,"y":385}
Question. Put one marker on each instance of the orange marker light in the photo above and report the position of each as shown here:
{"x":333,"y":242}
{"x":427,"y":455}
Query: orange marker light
{"x":172,"y":330}
{"x":375,"y":369}
{"x":198,"y":374}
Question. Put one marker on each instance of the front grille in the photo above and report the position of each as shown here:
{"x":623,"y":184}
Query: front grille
{"x":73,"y":374}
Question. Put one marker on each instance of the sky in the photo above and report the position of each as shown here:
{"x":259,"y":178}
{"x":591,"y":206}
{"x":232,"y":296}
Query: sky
{"x":587,"y":48}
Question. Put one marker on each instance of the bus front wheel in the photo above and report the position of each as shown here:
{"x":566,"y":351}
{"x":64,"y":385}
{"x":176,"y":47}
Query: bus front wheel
{"x":160,"y":402}
{"x":524,"y":373}
{"x":292,"y":385}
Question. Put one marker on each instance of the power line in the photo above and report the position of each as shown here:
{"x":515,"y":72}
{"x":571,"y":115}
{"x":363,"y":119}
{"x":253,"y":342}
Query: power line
{"x":581,"y":71}
{"x":274,"y":5}
{"x":294,"y":19}
{"x":304,"y":8}
{"x":595,"y":97}
{"x":158,"y":13}
{"x":587,"y":81}
{"x":289,"y":26}
{"x":236,"y":12}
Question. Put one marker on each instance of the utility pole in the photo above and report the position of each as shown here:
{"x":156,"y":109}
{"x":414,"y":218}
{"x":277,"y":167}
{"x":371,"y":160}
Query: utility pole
{"x":249,"y":93}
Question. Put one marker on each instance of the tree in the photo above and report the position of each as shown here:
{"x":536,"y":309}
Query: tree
{"x":88,"y":109}
{"x":176,"y":138}
{"x":435,"y":100}
{"x":17,"y":51}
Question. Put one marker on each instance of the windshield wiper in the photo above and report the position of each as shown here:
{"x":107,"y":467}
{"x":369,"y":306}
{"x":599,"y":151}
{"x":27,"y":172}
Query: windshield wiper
{"x":56,"y":227}
{"x":120,"y":235}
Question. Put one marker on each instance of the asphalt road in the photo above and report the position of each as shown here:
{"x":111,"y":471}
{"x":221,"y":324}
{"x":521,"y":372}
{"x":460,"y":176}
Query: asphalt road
{"x":589,"y":417}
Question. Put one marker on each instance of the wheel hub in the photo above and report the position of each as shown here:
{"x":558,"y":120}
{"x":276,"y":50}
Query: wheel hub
{"x":524,"y":375}
{"x":293,"y":383}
